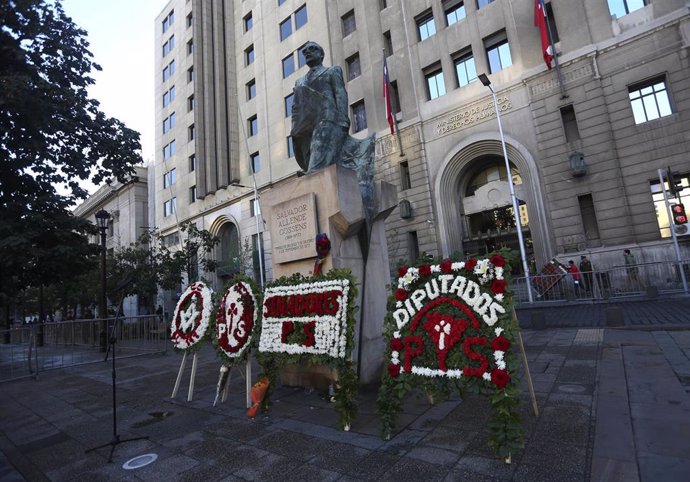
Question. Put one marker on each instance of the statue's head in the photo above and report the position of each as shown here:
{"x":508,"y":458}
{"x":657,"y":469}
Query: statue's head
{"x":313,"y":53}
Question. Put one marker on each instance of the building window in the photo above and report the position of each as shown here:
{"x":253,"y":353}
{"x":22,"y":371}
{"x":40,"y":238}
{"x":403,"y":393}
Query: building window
{"x":190,"y":103}
{"x":483,"y":3}
{"x":383,"y":4}
{"x":168,"y":123}
{"x":412,"y":247}
{"x":288,"y":65}
{"x":280,"y":2}
{"x":254,"y":208}
{"x":169,"y":178}
{"x":425,"y":25}
{"x":189,"y":20}
{"x":552,"y":22}
{"x":455,"y":12}
{"x":354,"y":69}
{"x":572,"y":133}
{"x":168,"y":96}
{"x":498,"y":52}
{"x":465,"y":69}
{"x":251,"y":89}
{"x":435,"y":84}
{"x":589,"y":220}
{"x":289,"y":100}
{"x":190,"y":74}
{"x":285,"y":28}
{"x":301,"y":61}
{"x":169,"y":150}
{"x":168,"y":21}
{"x":248,"y":22}
{"x":168,"y":46}
{"x":649,"y":100}
{"x":301,"y":17}
{"x":192,"y":194}
{"x":190,"y":47}
{"x":190,"y":133}
{"x":169,"y":70}
{"x":169,"y":207}
{"x":395,"y":95}
{"x":405,"y":182}
{"x":349,"y":23}
{"x":660,"y":204}
{"x":290,"y":147}
{"x":249,"y":55}
{"x":359,"y":116}
{"x":192,"y":163}
{"x":620,"y":8}
{"x":387,"y":44}
{"x":253,"y":125}
{"x":255,"y":161}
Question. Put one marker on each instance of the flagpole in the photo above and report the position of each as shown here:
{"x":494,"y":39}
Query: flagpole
{"x":395,"y":118}
{"x":559,"y":75}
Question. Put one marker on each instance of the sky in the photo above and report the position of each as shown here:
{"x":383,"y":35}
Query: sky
{"x":121,"y":34}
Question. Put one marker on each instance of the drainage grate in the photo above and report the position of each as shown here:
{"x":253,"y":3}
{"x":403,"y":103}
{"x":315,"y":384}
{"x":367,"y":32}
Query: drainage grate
{"x":140,"y":461}
{"x":589,"y":336}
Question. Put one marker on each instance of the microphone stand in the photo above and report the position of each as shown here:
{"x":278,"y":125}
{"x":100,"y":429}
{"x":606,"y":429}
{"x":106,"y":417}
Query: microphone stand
{"x":116,"y":440}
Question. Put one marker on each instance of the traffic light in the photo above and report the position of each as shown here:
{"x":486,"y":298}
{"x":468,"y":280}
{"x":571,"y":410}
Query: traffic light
{"x":679,"y":216}
{"x":675,"y":182}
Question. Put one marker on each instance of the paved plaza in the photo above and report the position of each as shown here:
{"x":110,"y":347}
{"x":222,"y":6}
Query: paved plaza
{"x":614,"y":405}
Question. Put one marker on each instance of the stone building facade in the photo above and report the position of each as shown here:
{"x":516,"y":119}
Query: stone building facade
{"x":585,"y":141}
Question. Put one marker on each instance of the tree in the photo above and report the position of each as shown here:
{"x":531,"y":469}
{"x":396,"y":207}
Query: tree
{"x":197,"y":252}
{"x":51,"y":135}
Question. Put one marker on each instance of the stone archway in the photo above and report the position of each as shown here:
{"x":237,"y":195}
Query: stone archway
{"x":452,"y":178}
{"x":229,"y":249}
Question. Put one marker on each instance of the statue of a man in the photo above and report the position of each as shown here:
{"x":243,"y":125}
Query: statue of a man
{"x":320,"y":120}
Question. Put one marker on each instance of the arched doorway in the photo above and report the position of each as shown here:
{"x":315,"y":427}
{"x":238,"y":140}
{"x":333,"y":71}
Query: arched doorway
{"x":229,"y":252}
{"x":473,"y":201}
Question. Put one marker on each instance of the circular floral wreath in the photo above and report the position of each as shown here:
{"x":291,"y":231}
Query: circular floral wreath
{"x":235,"y":318}
{"x":192,"y":316}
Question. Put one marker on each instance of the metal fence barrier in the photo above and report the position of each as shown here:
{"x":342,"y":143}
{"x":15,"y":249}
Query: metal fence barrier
{"x":648,"y":279}
{"x":28,"y":350}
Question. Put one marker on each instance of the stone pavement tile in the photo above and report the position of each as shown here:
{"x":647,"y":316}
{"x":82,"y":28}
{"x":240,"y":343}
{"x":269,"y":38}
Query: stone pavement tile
{"x":342,"y":457}
{"x":412,"y":469}
{"x":295,"y":446}
{"x":486,"y":466}
{"x":403,"y":442}
{"x":431,"y":418}
{"x":557,"y":399}
{"x":563,"y":431}
{"x":479,"y":445}
{"x":185,"y":442}
{"x":307,"y":473}
{"x":613,"y":434}
{"x":433,"y":455}
{"x":670,"y":438}
{"x":372,"y":466}
{"x":664,"y":411}
{"x":269,"y":467}
{"x":91,"y":468}
{"x":53,"y":456}
{"x":240,"y":430}
{"x":205,"y":473}
{"x":164,"y":469}
{"x":558,"y":456}
{"x":583,"y":353}
{"x":606,"y":469}
{"x":368,"y":424}
{"x":655,"y":467}
{"x":464,"y":475}
{"x":577,"y":374}
{"x":449,"y":439}
{"x":533,"y":473}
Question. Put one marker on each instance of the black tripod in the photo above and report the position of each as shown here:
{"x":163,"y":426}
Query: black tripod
{"x":111,"y":347}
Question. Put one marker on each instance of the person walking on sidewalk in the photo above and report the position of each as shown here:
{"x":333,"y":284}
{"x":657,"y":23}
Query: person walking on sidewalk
{"x":586,"y":271}
{"x":632,"y":269}
{"x":577,"y":277}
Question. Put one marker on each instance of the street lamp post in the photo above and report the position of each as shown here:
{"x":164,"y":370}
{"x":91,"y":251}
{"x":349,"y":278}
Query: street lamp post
{"x":516,"y":208}
{"x":102,"y":218}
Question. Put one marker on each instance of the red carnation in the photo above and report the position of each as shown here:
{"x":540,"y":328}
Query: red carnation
{"x":396,"y":344}
{"x":401,"y":294}
{"x":425,"y":270}
{"x":402,"y":271}
{"x":498,"y":260}
{"x":446,"y":266}
{"x":470,"y":264}
{"x":500,"y":378}
{"x":500,"y":343}
{"x":498,"y":286}
{"x":393,"y":370}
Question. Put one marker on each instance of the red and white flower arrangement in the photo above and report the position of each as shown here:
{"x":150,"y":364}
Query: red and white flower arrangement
{"x":191,"y":317}
{"x":235,"y":318}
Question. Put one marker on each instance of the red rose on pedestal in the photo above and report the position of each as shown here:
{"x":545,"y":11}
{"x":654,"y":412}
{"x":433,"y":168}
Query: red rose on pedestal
{"x":498,"y":286}
{"x":498,"y":260}
{"x":446,"y":266}
{"x":470,"y":264}
{"x":500,"y":343}
{"x":401,"y":294}
{"x":393,"y":370}
{"x":425,"y":270}
{"x":500,"y":378}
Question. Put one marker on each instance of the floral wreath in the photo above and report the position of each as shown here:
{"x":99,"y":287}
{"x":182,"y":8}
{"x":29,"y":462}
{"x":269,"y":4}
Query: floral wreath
{"x":192,"y":316}
{"x":236,"y":316}
{"x":449,"y":326}
{"x":310,"y":321}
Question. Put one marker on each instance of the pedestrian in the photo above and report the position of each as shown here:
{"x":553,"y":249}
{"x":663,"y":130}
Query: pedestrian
{"x":632,"y":269}
{"x":577,"y":277}
{"x":586,"y":270}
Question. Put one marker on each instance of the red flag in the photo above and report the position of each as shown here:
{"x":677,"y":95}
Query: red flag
{"x":540,"y":21}
{"x":387,"y":97}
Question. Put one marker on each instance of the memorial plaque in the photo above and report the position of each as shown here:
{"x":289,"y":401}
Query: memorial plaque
{"x":293,"y":229}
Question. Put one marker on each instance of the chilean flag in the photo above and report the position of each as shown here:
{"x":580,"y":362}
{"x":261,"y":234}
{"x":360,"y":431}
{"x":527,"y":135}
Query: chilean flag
{"x":540,"y":21}
{"x":387,"y":97}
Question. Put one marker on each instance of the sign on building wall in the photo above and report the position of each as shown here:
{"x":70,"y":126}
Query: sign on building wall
{"x":293,"y":228}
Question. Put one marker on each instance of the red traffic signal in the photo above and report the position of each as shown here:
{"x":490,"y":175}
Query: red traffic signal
{"x":679,"y":216}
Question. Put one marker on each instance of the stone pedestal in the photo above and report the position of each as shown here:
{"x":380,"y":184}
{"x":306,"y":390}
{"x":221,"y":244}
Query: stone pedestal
{"x":338,"y":211}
